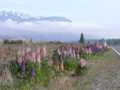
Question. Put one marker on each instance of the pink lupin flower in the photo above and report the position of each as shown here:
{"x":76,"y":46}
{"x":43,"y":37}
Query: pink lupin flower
{"x":83,"y":63}
{"x":50,"y":62}
{"x":34,"y":56}
{"x":26,"y":56}
{"x":38,"y":57}
{"x":90,"y":51}
{"x":70,"y":52}
{"x":86,"y":50}
{"x":23,"y":54}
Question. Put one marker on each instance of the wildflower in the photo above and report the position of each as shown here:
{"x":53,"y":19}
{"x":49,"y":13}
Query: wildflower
{"x":50,"y":62}
{"x":90,"y":51}
{"x":19,"y":61}
{"x":32,"y":72}
{"x":58,"y":51}
{"x":28,"y":55}
{"x":44,"y":51}
{"x":28,"y":49}
{"x":22,"y":66}
{"x":34,"y":56}
{"x":38,"y":57}
{"x":83,"y":63}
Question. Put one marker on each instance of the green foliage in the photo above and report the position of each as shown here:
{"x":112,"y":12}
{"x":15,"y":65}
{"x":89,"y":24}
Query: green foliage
{"x":29,"y":65}
{"x":38,"y":72}
{"x":80,"y":70}
{"x":44,"y":73}
{"x":70,"y":64}
{"x":56,"y":57}
{"x":14,"y":68}
{"x":48,"y":71}
{"x":24,"y":85}
{"x":83,"y":55}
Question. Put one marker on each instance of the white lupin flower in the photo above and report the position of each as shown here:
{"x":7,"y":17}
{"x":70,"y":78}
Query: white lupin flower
{"x":44,"y":51}
{"x":34,"y":56}
{"x":58,"y":51}
{"x":38,"y":57}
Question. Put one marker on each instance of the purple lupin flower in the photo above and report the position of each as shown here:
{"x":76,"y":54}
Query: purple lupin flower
{"x":22,"y":66}
{"x":32,"y":72}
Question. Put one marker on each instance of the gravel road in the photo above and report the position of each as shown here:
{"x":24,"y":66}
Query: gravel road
{"x":109,"y":77}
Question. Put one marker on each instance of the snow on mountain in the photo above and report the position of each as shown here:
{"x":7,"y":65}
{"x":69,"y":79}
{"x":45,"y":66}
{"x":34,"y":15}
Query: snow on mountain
{"x":19,"y":17}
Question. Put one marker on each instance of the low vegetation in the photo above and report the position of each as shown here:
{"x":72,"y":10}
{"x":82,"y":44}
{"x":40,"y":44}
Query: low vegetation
{"x":34,"y":69}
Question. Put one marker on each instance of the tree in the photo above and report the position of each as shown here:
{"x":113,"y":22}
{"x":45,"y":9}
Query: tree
{"x":82,"y":41}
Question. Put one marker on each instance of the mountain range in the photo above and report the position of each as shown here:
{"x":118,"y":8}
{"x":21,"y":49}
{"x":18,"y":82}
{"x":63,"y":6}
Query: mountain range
{"x":20,"y":17}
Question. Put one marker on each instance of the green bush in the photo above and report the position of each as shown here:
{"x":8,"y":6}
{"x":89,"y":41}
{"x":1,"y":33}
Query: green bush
{"x":56,"y":57}
{"x":83,"y":55}
{"x":47,"y":70}
{"x":44,"y":73}
{"x":70,"y":64}
{"x":14,"y":68}
{"x":29,"y":65}
{"x":80,"y":70}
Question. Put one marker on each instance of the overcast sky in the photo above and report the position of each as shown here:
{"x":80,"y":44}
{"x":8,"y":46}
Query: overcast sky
{"x":103,"y":14}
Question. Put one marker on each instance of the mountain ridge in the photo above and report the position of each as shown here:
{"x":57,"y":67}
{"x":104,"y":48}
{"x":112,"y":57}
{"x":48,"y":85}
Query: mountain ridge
{"x":20,"y":17}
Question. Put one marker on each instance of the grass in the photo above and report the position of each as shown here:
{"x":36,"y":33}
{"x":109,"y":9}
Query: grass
{"x":96,"y":64}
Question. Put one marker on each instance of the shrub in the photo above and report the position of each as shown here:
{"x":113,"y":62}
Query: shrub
{"x":28,"y":67}
{"x":70,"y":64}
{"x":43,"y":73}
{"x":55,"y":57}
{"x":48,"y":70}
{"x":83,"y":54}
{"x":37,"y":72}
{"x":80,"y":70}
{"x":14,"y":68}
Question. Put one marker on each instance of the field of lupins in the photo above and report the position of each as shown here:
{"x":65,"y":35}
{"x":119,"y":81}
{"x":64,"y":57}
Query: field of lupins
{"x":39,"y":64}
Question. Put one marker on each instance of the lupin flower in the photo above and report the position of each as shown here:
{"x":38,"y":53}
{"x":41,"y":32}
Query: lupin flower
{"x":38,"y":57}
{"x":50,"y":62}
{"x":34,"y":56}
{"x":83,"y":63}
{"x":90,"y":51}
{"x":28,"y":49}
{"x":22,"y":66}
{"x":32,"y":72}
{"x":19,"y":61}
{"x":58,"y":51}
{"x":44,"y":51}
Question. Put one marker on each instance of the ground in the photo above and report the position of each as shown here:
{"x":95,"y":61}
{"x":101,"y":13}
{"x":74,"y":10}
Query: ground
{"x":103,"y":74}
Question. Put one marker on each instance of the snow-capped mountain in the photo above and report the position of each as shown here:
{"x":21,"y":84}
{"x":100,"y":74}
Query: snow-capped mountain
{"x":20,"y":17}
